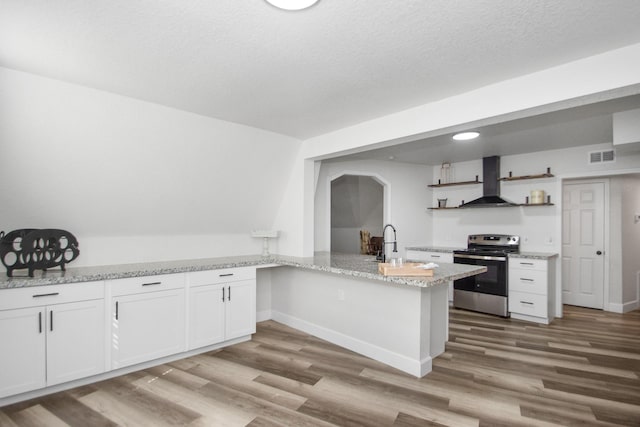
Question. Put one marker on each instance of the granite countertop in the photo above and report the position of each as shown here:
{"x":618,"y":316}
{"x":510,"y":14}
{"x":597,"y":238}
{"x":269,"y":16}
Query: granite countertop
{"x":528,"y":255}
{"x":443,"y":249}
{"x":534,"y":255}
{"x":364,"y":266}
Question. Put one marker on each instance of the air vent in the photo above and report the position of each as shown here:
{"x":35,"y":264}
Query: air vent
{"x":608,"y":156}
{"x":604,"y":156}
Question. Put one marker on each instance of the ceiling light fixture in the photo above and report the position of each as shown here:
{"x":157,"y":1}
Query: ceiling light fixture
{"x":292,"y":4}
{"x":465,"y":136}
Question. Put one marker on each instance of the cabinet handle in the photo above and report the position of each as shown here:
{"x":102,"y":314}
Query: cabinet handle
{"x":229,"y":293}
{"x":225,"y":275}
{"x":526,"y":263}
{"x":223,"y":294}
{"x":524,"y":279}
{"x":51,"y":320}
{"x":435,"y":256}
{"x":40,"y":322}
{"x":526,"y":302}
{"x":46,"y":295}
{"x":116,"y":310}
{"x":152,"y":284}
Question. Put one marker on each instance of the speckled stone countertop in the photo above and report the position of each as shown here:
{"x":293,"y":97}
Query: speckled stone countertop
{"x":346,"y":264}
{"x":529,"y":255}
{"x":442,"y":249}
{"x":366,"y":266}
{"x":534,"y":255}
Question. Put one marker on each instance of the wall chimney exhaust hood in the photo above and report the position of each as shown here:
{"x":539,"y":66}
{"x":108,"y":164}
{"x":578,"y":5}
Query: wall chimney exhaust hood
{"x":490,"y":186}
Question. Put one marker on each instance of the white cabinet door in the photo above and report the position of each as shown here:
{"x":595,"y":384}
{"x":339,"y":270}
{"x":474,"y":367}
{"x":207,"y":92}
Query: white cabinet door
{"x":240,"y":313}
{"x":75,"y":340}
{"x":206,"y":315}
{"x":22,"y":334}
{"x":147,"y":326}
{"x":221,"y":312}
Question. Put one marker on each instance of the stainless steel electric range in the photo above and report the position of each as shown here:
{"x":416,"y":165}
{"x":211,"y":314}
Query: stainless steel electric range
{"x":486,"y":292}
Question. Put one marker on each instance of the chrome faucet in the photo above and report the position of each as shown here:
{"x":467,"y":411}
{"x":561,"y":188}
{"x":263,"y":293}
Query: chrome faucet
{"x":382,"y":256}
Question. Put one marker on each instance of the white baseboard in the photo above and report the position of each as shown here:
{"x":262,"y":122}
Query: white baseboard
{"x":261,"y":316}
{"x":625,"y":307}
{"x":526,"y":317}
{"x":415,"y":367}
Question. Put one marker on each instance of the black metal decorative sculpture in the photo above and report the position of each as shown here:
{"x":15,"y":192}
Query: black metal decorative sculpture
{"x":37,"y":249}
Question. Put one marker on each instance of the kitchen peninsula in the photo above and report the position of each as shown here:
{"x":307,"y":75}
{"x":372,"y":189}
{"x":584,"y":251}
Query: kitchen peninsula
{"x":399,"y":321}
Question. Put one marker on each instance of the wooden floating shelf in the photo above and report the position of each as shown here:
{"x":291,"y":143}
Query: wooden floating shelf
{"x":517,"y":178}
{"x":520,"y":204}
{"x":451,"y":184}
{"x":548,"y":174}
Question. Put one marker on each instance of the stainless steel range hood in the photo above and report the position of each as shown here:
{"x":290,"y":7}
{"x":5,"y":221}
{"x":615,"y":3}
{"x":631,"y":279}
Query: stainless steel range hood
{"x":490,"y":186}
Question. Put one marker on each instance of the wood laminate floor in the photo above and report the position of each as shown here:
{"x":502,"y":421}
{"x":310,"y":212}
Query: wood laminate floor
{"x":582,"y":370}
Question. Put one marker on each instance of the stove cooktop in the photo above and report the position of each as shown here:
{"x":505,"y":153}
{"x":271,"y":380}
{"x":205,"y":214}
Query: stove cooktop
{"x":491,"y":244}
{"x":487,"y":251}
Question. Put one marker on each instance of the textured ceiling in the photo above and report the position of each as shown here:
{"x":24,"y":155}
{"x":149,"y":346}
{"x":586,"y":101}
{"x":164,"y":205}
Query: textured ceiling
{"x":303,"y":73}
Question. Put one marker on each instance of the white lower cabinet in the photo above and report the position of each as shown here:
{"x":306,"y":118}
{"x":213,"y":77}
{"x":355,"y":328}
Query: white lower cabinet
{"x":75,"y":343}
{"x":206,"y":316}
{"x":148,"y":319}
{"x":240,"y":311}
{"x":23,"y":355}
{"x":57,"y":333}
{"x":432,"y":256}
{"x":44,"y":345}
{"x":222,"y":306}
{"x":531,"y":290}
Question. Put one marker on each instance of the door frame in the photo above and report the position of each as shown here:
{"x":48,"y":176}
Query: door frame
{"x":386,"y":197}
{"x":595,"y":175}
{"x":606,"y":235}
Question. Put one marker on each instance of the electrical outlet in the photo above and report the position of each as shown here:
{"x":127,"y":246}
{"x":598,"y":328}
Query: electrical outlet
{"x":548,"y":240}
{"x":340,"y":295}
{"x":636,"y":218}
{"x":525,"y":239}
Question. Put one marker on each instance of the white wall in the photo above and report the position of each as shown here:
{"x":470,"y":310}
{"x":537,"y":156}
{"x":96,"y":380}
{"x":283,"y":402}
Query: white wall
{"x":630,"y":242}
{"x":538,"y":226}
{"x":407,"y":199}
{"x":134,"y":181}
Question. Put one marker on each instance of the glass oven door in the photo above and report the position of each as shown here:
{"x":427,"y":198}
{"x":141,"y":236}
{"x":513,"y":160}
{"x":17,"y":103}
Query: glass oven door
{"x":493,"y":281}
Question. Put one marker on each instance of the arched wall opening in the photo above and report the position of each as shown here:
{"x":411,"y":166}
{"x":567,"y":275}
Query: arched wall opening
{"x":356,"y":202}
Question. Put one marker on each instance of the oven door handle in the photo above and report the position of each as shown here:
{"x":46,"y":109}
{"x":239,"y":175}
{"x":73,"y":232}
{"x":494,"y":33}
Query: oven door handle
{"x":480,"y":257}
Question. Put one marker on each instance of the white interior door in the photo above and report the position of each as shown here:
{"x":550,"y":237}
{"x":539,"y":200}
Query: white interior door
{"x":583,"y":244}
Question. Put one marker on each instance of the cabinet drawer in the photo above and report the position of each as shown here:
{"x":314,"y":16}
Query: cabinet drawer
{"x":529,"y":304}
{"x":528,"y":264}
{"x":430,"y":256}
{"x":224,"y":275}
{"x":533,"y":281}
{"x":35,"y":296}
{"x":138,"y":285}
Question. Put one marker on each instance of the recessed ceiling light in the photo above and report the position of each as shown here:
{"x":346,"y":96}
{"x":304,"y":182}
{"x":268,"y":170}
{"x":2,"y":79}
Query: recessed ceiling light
{"x":292,"y":4}
{"x":465,"y":136}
